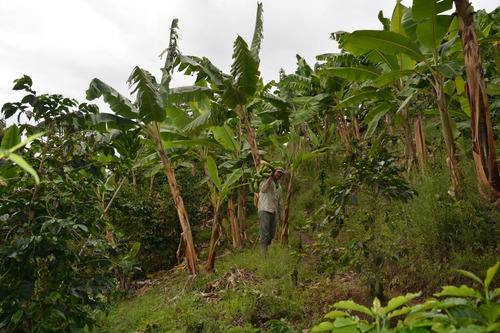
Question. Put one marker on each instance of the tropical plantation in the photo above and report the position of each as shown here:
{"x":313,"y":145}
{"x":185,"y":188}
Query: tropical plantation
{"x":142,"y":216}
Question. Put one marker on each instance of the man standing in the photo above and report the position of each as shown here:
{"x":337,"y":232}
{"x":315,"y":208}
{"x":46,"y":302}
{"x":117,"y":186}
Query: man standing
{"x":270,"y":203}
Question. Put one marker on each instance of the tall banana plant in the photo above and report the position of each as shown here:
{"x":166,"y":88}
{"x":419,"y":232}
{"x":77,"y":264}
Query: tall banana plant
{"x":483,"y":150}
{"x":237,"y":89}
{"x":149,"y":113}
{"x":421,"y":41}
{"x":220,"y":190}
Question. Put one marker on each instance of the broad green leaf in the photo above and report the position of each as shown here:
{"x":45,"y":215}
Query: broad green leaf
{"x":11,"y":138}
{"x":176,"y":143}
{"x":372,"y":126}
{"x":491,"y":312}
{"x":230,"y":180}
{"x":25,"y":142}
{"x":323,"y":327}
{"x":426,"y":9}
{"x":495,"y":293}
{"x":178,"y":116}
{"x":397,"y":16}
{"x":200,"y":122}
{"x":16,"y":317}
{"x":117,"y":102}
{"x":431,"y":32}
{"x":386,"y":41}
{"x":148,"y":97}
{"x":462,"y":291}
{"x":258,"y":34}
{"x":213,"y":172}
{"x":189,"y":94}
{"x":336,"y":314}
{"x":491,"y":273}
{"x":449,"y":69}
{"x":470,"y":275}
{"x":359,"y":73}
{"x":399,"y":312}
{"x":23,"y":164}
{"x":245,"y":70}
{"x":392,"y":76}
{"x":226,"y":137}
{"x":396,"y":302}
{"x":134,"y":251}
{"x":359,"y":97}
{"x":351,"y":305}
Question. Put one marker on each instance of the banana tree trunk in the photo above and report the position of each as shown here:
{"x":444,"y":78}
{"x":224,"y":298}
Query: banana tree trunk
{"x":187,"y":236}
{"x":421,"y":147}
{"x":409,"y":146}
{"x":235,"y":228}
{"x":242,"y":214}
{"x":214,"y":239}
{"x":343,"y":133}
{"x":286,"y":218}
{"x":250,"y":133}
{"x":483,"y":144}
{"x":452,"y":160}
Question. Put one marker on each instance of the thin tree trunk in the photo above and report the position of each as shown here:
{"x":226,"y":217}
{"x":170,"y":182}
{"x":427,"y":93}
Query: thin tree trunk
{"x":286,"y":218}
{"x":344,"y":133}
{"x":355,"y":126}
{"x":242,"y":213}
{"x":388,"y":123}
{"x":235,"y":228}
{"x":409,"y":146}
{"x":452,"y":160}
{"x":214,"y":239}
{"x":483,"y":144}
{"x":191,"y":258}
{"x":250,"y":132}
{"x":421,"y":147}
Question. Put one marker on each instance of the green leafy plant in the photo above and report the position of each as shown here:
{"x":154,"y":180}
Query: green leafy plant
{"x":464,"y":309}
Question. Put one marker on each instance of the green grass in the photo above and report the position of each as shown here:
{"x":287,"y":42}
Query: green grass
{"x":429,"y":237}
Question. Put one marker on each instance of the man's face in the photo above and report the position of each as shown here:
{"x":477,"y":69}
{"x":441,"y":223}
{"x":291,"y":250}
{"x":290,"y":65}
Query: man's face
{"x":278,"y":175}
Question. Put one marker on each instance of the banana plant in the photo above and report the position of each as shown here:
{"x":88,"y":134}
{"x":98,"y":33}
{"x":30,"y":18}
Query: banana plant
{"x":149,"y":113}
{"x":220,"y":190}
{"x":12,"y":142}
{"x":483,"y":150}
{"x":290,"y":147}
{"x":421,"y":41}
{"x":236,"y":90}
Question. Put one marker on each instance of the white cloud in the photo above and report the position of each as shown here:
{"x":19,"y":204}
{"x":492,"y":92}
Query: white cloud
{"x":63,"y":44}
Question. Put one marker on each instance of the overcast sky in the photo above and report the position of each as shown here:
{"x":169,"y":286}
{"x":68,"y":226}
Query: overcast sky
{"x":64,"y":44}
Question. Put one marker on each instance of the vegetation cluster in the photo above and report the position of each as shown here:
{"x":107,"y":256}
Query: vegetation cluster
{"x":114,"y":220}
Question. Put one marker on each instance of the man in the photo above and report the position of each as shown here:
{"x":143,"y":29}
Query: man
{"x":270,"y":203}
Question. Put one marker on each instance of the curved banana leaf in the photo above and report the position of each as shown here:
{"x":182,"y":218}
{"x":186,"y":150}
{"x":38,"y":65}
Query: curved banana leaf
{"x":373,"y":117}
{"x":258,"y":34}
{"x":213,"y":173}
{"x":397,"y":17}
{"x":226,"y":137}
{"x":189,"y":94}
{"x":387,"y":42}
{"x":245,"y":70}
{"x":205,"y":69}
{"x":391,"y":76}
{"x":230,"y":180}
{"x":449,"y":69}
{"x":121,"y":105}
{"x":359,"y":73}
{"x":11,"y":138}
{"x":360,"y":96}
{"x":148,"y":98}
{"x":432,"y":27}
{"x":21,"y":163}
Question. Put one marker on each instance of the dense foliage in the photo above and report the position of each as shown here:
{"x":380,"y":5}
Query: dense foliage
{"x":91,"y":200}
